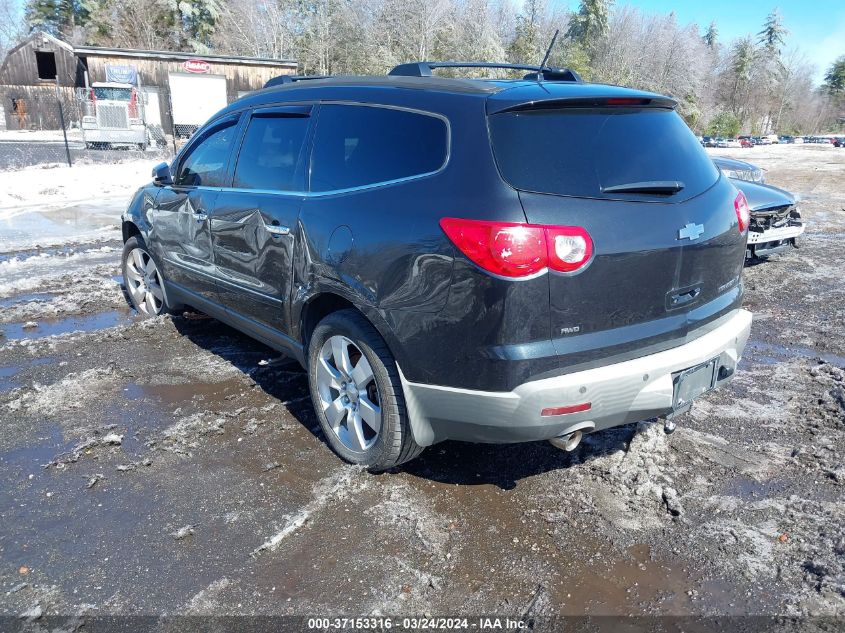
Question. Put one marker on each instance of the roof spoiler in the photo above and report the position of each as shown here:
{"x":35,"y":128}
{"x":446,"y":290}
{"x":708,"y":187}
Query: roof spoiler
{"x":555,"y":103}
{"x":289,"y":79}
{"x":547,"y":73}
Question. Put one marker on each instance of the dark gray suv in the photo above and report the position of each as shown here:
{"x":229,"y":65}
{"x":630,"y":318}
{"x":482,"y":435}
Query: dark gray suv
{"x":482,"y":260}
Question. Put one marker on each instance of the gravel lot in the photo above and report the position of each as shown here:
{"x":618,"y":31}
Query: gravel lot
{"x":165,"y":467}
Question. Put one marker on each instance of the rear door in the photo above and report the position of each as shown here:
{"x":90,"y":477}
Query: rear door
{"x":668,"y":250}
{"x":182,"y":211}
{"x":254,"y":222}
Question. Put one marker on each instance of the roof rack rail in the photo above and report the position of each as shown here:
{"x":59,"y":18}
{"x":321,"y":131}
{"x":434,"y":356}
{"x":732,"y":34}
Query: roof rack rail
{"x":549,"y":73}
{"x":289,"y":79}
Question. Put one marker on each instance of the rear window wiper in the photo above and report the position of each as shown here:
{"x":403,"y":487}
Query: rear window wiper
{"x":658,"y":187}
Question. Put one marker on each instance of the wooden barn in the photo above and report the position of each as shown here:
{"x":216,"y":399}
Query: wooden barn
{"x":179,"y":90}
{"x":28,"y":87}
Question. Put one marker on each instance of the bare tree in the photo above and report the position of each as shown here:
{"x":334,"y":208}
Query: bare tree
{"x":11,"y":24}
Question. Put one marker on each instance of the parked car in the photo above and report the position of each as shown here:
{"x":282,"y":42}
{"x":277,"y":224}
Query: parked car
{"x":739,"y":169}
{"x":708,"y":141}
{"x":456,"y":258}
{"x":776,"y":222}
{"x":839,"y":141}
{"x":746,"y":142}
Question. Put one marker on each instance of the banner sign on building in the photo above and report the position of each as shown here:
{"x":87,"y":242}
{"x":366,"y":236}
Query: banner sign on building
{"x":196,"y":66}
{"x":122,"y":74}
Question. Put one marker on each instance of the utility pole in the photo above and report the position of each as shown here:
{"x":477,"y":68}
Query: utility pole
{"x":62,"y":120}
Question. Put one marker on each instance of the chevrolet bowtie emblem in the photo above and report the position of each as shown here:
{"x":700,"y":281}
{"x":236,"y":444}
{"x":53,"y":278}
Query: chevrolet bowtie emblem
{"x":691,"y":232}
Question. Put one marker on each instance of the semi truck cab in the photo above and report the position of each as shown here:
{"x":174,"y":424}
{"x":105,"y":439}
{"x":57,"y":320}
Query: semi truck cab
{"x":113,"y":115}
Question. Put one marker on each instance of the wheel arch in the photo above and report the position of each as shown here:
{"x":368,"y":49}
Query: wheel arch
{"x":324,"y":302}
{"x":129,"y":229}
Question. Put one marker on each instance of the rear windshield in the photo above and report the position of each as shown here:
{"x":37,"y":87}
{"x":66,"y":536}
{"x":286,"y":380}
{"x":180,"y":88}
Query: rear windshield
{"x":580,"y":152}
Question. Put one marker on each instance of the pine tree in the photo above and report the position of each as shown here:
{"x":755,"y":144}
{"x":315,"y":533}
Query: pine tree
{"x":590,"y":23}
{"x":834,"y":79}
{"x":773,"y":34}
{"x":711,"y":36}
{"x":525,"y":47}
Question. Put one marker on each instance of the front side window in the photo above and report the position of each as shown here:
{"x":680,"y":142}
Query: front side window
{"x":356,"y":146}
{"x":271,"y":155}
{"x":206,"y":161}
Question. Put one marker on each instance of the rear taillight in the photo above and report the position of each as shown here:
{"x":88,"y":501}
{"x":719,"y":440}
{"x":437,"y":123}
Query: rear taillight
{"x":517,"y":250}
{"x":570,"y":247}
{"x":743,"y":214}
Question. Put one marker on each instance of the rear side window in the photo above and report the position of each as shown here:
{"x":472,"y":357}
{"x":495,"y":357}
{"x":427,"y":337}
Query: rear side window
{"x":207,"y":160}
{"x":356,"y":146}
{"x":271,"y":154}
{"x":580,"y":152}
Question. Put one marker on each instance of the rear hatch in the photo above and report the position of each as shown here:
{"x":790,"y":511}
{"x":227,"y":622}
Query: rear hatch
{"x":668,"y":248}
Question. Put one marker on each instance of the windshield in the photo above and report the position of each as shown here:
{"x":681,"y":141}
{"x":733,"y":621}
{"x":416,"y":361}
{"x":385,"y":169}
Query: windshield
{"x":113,"y":94}
{"x":627,"y":153}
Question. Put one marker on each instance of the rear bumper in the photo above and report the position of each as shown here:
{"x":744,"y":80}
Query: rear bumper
{"x":618,"y":393}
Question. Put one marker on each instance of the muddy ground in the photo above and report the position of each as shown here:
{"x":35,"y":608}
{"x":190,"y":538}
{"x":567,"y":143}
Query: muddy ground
{"x":165,"y":467}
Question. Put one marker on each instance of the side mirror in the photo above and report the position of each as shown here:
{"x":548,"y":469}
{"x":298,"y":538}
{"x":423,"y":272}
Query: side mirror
{"x":161,"y":175}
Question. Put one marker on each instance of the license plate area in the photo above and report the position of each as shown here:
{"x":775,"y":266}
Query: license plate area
{"x":694,"y":382}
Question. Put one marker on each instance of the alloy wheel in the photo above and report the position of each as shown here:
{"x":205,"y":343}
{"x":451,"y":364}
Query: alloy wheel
{"x":349,"y":394}
{"x":143,"y":282}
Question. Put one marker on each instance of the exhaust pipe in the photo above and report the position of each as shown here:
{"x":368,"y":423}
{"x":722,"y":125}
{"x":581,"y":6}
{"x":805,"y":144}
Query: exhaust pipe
{"x":570,"y":439}
{"x":568,"y":442}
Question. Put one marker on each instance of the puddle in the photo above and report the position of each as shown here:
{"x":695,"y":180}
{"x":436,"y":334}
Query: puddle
{"x":613,"y":587}
{"x":27,"y":297}
{"x":182,"y":393}
{"x":34,"y":455}
{"x":751,"y":489}
{"x":771,"y":354}
{"x":8,"y":373}
{"x":23,"y":256}
{"x":51,"y":327}
{"x":30,"y":228}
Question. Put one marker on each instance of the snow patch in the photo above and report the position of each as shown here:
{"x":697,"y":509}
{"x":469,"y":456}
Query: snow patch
{"x":332,"y":489}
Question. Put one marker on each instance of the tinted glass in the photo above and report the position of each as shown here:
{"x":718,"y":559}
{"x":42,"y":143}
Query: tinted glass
{"x":205,"y":165}
{"x":578,"y":151}
{"x":270,"y":157}
{"x":113,"y":94}
{"x":356,"y":146}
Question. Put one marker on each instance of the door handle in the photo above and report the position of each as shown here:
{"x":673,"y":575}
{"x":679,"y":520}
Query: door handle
{"x":277,"y":229}
{"x":680,"y":298}
{"x":200,"y":215}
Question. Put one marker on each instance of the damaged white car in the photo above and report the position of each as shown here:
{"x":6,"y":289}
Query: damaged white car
{"x":775,"y":219}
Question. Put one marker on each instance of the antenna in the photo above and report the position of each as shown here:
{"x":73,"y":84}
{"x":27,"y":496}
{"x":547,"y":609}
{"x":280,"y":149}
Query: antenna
{"x":548,"y":51}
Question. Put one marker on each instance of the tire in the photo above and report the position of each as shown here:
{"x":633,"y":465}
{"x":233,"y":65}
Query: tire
{"x":349,"y":432}
{"x":143,"y":281}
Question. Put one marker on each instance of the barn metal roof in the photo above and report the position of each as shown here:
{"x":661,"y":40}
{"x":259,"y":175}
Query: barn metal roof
{"x":173,"y":55}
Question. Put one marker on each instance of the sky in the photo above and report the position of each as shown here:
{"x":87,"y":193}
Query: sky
{"x":817,"y":27}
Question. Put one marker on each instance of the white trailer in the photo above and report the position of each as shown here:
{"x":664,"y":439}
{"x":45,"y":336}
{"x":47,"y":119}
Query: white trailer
{"x":194,"y":98}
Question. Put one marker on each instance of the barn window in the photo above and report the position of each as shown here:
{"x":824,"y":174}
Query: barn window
{"x":46,"y":61}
